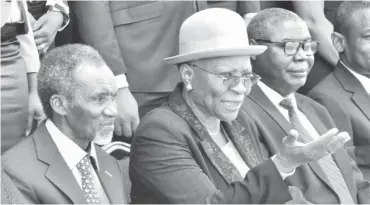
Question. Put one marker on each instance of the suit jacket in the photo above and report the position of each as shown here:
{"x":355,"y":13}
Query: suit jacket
{"x":174,"y":160}
{"x":309,"y":178}
{"x":351,"y":109}
{"x":135,"y":36}
{"x":40,"y":173}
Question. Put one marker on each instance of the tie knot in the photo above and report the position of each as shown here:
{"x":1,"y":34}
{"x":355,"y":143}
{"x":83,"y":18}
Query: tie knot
{"x":287,"y":103}
{"x":85,"y":163}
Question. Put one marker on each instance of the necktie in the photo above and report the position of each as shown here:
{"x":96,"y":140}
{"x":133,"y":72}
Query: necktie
{"x":327,"y":163}
{"x":88,"y":187}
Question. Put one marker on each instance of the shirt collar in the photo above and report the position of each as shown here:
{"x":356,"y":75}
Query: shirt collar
{"x":365,"y":81}
{"x":274,"y":96}
{"x":70,"y":151}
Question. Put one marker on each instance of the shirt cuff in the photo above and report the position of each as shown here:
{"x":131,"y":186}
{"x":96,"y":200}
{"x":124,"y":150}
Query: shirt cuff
{"x":121,"y":81}
{"x":284,"y":175}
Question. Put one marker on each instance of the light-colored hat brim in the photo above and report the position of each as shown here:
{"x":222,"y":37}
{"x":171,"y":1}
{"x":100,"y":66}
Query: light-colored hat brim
{"x":251,"y":50}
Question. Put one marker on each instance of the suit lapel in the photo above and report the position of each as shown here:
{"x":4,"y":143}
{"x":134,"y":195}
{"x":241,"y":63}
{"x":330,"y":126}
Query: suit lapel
{"x":242,"y":142}
{"x":109,"y":178}
{"x":350,"y":83}
{"x":58,"y":172}
{"x":265,"y":104}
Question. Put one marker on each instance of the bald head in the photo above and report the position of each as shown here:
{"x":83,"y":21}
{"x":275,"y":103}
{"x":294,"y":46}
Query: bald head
{"x":268,"y":21}
{"x":344,"y":15}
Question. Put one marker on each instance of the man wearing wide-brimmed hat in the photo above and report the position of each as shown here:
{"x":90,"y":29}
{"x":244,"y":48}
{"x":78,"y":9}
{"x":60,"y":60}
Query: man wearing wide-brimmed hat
{"x":192,"y":149}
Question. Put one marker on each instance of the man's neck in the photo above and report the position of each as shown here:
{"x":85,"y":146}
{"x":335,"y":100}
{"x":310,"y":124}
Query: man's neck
{"x":62,"y":125}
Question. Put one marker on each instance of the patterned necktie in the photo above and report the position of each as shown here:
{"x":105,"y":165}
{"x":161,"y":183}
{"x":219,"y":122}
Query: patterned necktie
{"x":88,"y":188}
{"x":327,"y":163}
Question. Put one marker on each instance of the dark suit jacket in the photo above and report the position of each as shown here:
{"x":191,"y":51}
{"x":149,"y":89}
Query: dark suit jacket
{"x":40,"y":173}
{"x":174,"y":160}
{"x":351,"y":109}
{"x":309,"y":178}
{"x":135,"y":36}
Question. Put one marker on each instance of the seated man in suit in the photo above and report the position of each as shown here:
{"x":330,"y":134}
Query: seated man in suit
{"x":349,"y":84}
{"x":59,"y":162}
{"x":276,"y":108}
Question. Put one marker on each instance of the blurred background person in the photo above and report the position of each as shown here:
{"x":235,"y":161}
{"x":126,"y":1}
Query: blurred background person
{"x":49,"y":17}
{"x":20,"y":103}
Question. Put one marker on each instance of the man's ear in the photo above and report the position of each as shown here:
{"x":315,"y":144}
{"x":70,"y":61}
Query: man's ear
{"x":339,"y":41}
{"x":187,"y":74}
{"x":59,"y":104}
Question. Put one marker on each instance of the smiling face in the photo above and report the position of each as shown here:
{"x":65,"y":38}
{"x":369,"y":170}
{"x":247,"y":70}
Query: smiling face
{"x":281,"y":72}
{"x":92,"y":110}
{"x":357,"y":47}
{"x":211,"y":96}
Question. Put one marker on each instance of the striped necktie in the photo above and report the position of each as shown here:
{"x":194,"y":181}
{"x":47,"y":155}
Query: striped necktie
{"x":327,"y":163}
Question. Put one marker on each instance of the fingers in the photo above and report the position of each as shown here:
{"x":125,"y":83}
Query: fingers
{"x":117,"y":128}
{"x":36,"y":25}
{"x":329,"y":135}
{"x":134,"y":125}
{"x":29,"y":123}
{"x":291,"y":139}
{"x":127,"y":131}
{"x":337,"y":142}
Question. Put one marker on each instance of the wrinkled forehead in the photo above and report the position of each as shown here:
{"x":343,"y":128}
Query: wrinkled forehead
{"x":91,"y":75}
{"x":292,"y":30}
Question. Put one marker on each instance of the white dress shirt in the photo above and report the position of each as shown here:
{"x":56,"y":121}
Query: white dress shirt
{"x":365,"y":81}
{"x":73,"y":154}
{"x":276,"y":98}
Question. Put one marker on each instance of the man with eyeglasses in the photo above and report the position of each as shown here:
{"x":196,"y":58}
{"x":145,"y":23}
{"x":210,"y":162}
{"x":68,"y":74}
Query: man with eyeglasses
{"x":276,"y":108}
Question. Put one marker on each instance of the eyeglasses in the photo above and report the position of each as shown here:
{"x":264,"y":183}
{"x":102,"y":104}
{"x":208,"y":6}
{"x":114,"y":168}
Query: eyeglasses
{"x":232,"y":81}
{"x":292,"y":47}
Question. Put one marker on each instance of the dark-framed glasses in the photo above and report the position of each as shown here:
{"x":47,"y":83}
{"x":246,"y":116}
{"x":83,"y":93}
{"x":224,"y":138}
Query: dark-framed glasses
{"x":231,"y":81}
{"x":292,"y":47}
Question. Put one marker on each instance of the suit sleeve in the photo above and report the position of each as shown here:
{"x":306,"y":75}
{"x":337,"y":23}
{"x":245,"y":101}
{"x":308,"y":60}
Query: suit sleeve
{"x":363,"y":186}
{"x":95,"y":28}
{"x":162,"y":161}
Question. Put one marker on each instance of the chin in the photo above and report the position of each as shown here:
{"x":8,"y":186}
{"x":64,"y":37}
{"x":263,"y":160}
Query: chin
{"x":103,"y":138}
{"x":229,"y":116}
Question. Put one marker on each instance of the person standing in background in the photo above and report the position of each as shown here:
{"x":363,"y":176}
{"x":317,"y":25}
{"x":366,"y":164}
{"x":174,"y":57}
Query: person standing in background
{"x":19,"y":66}
{"x":49,"y":17}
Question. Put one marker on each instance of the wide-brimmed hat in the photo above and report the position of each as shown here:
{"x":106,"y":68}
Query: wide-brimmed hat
{"x":212,"y":33}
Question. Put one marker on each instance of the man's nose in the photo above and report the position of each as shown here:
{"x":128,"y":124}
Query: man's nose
{"x":111,"y":110}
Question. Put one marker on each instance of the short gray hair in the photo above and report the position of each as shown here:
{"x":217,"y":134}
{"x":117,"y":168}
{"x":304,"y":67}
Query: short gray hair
{"x":56,"y":73}
{"x":265,"y":22}
{"x":343,"y":16}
